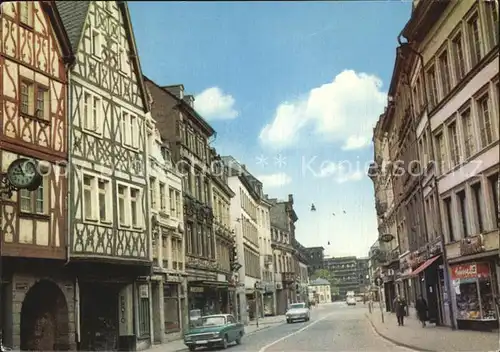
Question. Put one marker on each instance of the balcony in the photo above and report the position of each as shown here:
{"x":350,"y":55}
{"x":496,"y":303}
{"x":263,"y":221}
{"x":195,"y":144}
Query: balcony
{"x":288,"y":276}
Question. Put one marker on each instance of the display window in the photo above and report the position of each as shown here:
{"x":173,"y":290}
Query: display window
{"x":171,"y":308}
{"x":473,"y":285}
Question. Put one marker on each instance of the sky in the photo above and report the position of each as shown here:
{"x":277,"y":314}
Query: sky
{"x":293,"y":90}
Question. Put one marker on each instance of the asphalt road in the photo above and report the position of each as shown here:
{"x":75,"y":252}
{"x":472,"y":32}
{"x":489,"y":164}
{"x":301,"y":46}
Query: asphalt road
{"x":333,"y":327}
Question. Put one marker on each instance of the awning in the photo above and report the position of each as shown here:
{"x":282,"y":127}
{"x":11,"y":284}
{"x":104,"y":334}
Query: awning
{"x":424,"y":266}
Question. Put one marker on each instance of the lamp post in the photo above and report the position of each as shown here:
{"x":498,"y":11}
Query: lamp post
{"x":385,"y":238}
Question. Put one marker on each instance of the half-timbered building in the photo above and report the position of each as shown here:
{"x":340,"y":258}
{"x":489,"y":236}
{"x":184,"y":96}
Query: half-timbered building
{"x":188,"y":135}
{"x":169,"y":277}
{"x":36,"y":303}
{"x":110,"y":246}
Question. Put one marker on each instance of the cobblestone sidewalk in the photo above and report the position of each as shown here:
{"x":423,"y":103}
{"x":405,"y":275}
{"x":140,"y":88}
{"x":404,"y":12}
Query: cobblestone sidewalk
{"x":264,"y":323}
{"x":431,"y":338}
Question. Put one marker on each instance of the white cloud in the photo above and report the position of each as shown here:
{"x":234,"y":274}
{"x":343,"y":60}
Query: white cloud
{"x":356,"y":142}
{"x":341,"y":172}
{"x":275,"y":180}
{"x":344,"y":110}
{"x":214,"y":104}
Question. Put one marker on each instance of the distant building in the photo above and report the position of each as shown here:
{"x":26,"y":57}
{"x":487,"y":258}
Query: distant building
{"x":350,"y":272}
{"x":320,"y":291}
{"x":316,"y":256}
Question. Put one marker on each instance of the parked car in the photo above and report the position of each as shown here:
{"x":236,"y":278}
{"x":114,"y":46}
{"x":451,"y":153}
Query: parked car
{"x":194,"y":317}
{"x":351,"y":300}
{"x":298,"y":311}
{"x":217,"y":330}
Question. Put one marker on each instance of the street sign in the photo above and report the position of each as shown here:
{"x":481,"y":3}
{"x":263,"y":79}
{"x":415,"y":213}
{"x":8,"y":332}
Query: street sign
{"x":379,"y":281}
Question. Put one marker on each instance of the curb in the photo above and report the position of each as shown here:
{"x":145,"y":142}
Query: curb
{"x":396,"y":342}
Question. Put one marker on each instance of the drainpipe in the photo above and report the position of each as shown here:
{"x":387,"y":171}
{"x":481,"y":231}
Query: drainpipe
{"x":447,"y":279}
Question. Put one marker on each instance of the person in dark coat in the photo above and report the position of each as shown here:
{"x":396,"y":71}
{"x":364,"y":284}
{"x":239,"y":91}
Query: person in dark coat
{"x":400,"y":309}
{"x":421,"y":308}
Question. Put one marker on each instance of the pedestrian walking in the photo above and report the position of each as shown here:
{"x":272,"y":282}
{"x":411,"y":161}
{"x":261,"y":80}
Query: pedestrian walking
{"x":400,"y":308}
{"x":421,"y":308}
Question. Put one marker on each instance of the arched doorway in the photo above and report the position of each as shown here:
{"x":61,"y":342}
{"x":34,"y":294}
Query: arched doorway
{"x":44,"y":318}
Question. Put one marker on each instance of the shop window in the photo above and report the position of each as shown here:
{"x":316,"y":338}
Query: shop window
{"x":143,"y":308}
{"x":171,"y":308}
{"x":473,"y":286}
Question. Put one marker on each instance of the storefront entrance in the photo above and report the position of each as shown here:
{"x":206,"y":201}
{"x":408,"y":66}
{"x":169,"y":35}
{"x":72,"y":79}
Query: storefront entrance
{"x":99,"y":316}
{"x":44,"y":318}
{"x":474,"y":286}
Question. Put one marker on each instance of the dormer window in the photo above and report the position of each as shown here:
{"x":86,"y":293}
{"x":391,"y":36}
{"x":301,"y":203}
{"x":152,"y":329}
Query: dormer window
{"x":165,"y":153}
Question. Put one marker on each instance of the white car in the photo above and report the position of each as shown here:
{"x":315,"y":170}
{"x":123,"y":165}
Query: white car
{"x":298,"y":311}
{"x":351,"y":301}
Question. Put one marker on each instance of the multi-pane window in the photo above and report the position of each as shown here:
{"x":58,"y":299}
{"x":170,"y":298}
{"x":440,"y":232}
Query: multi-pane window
{"x":449,"y":219}
{"x":453,"y":143}
{"x":433,"y":91}
{"x":494,"y":186}
{"x":178,"y":204}
{"x":26,"y":97}
{"x":478,"y":205}
{"x":163,"y":196}
{"x":91,"y":112}
{"x":462,"y":203}
{"x":34,"y":100}
{"x":475,"y":40}
{"x":152,"y":192}
{"x":171,"y":198}
{"x":491,"y":11}
{"x":121,"y":204}
{"x":130,"y":130}
{"x":444,"y":72}
{"x":26,"y":12}
{"x":468,"y":133}
{"x":485,"y":123}
{"x":95,"y":43}
{"x":134,"y":199}
{"x":87,"y":198}
{"x":34,"y":202}
{"x":458,"y":57}
{"x":97,"y":199}
{"x":104,"y":207}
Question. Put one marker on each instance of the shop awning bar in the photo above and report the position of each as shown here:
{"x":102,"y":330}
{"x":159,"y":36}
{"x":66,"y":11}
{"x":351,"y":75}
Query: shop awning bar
{"x":424,"y":266}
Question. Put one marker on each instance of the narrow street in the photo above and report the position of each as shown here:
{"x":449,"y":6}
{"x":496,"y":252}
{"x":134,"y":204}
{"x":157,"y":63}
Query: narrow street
{"x":333,"y":327}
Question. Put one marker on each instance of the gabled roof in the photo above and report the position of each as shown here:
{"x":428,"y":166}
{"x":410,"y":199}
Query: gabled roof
{"x":74,"y":14}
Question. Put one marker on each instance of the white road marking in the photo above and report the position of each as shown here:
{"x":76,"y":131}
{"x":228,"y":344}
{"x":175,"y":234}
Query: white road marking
{"x":294,"y":333}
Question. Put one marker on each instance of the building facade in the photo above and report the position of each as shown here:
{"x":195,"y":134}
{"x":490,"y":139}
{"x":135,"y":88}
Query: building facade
{"x":224,"y":234}
{"x":345,"y":272}
{"x":315,"y":257}
{"x":319,"y":291}
{"x":301,"y":271}
{"x":455,"y":84}
{"x":283,"y":220}
{"x":110,"y":244}
{"x":268,"y":285}
{"x":244,"y":207}
{"x":168,"y":281}
{"x":187,"y":133}
{"x":36,"y":290}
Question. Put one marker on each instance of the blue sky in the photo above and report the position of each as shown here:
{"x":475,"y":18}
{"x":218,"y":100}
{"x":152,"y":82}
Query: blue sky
{"x":293,"y":90}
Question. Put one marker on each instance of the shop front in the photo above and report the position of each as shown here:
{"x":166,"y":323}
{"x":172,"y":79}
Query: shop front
{"x":474,"y":287}
{"x":174,"y":307}
{"x":209,"y":297}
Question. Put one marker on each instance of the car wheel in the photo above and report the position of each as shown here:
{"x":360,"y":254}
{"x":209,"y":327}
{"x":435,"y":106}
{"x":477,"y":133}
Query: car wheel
{"x":238,"y":340}
{"x":192,"y":348}
{"x":288,"y":321}
{"x":224,"y":342}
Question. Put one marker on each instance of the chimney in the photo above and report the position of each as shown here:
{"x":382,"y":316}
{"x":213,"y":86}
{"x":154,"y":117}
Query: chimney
{"x":176,"y":89}
{"x":290,"y":198}
{"x":189,"y":99}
